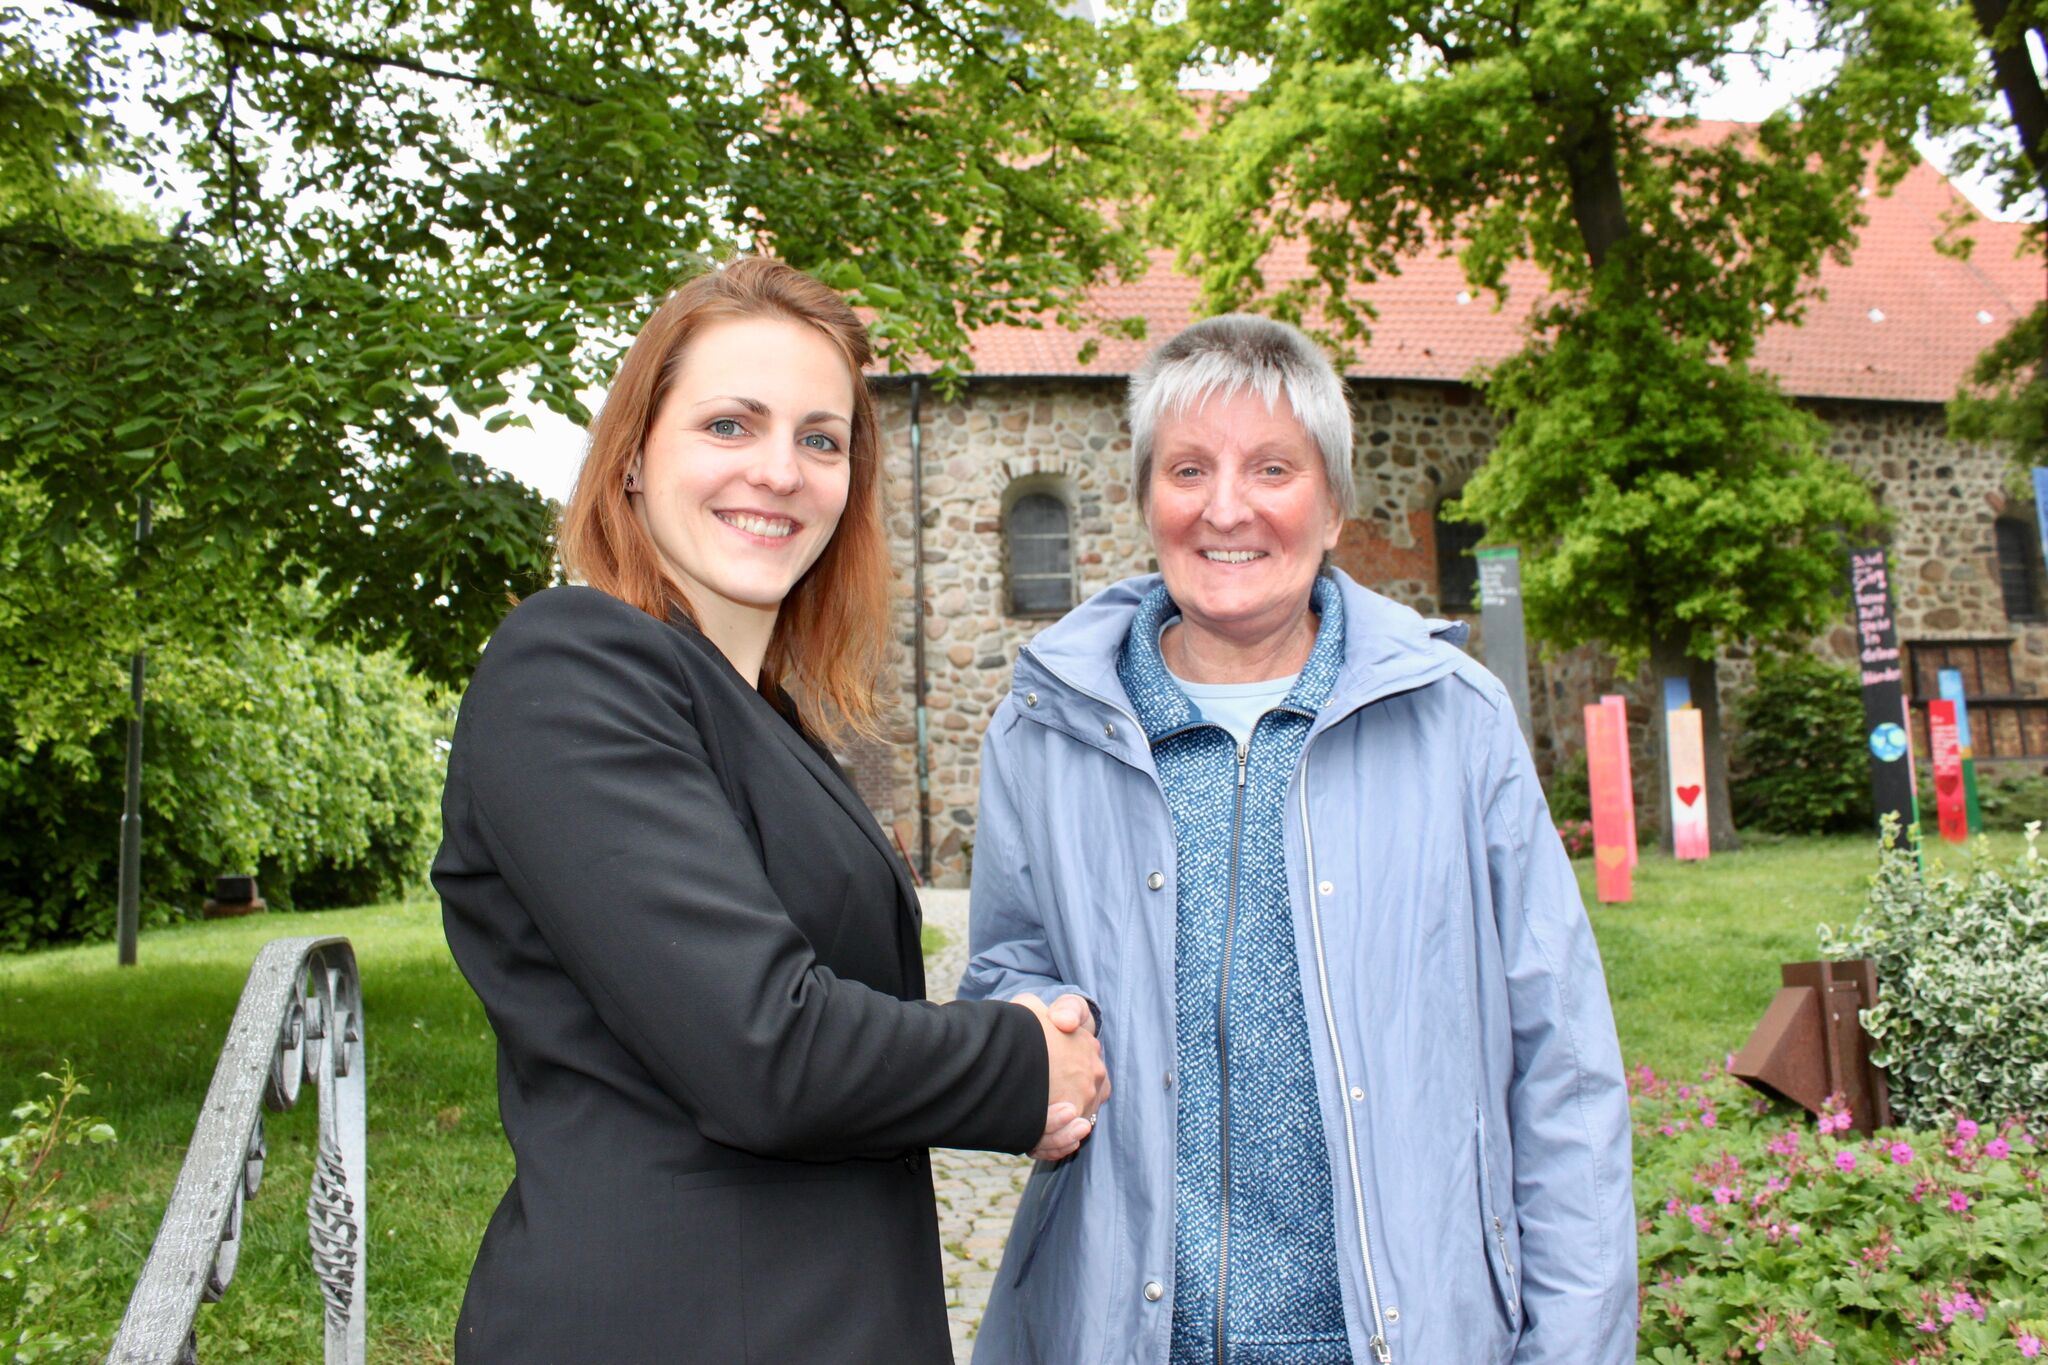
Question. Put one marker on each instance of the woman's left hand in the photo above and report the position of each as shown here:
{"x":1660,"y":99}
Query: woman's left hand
{"x":1065,"y":1131}
{"x":1066,"y":1128}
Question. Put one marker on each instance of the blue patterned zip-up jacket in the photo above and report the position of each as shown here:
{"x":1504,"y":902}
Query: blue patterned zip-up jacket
{"x":1255,"y":1243}
{"x":1474,"y":1120}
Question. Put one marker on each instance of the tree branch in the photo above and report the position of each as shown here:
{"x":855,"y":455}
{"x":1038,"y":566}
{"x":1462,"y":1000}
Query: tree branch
{"x":305,"y":48}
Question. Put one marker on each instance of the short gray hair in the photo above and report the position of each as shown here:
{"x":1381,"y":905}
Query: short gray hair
{"x":1232,"y":354}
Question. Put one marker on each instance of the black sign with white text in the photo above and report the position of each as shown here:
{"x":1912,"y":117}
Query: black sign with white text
{"x":1886,"y":738}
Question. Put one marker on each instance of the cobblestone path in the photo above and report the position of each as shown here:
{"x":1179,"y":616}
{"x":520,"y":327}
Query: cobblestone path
{"x":978,"y":1191}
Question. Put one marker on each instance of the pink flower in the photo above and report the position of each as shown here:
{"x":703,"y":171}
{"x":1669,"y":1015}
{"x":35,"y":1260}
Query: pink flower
{"x":1701,"y":1219}
{"x":1902,"y":1154}
{"x":1958,"y":1202}
{"x":1998,"y":1149}
{"x":1835,"y":1123}
{"x":1921,"y":1188}
{"x":1707,"y":1118}
{"x":1723,"y":1195}
{"x":1966,"y":1129}
{"x":1845,"y":1161}
{"x":1784,"y":1144}
{"x":2029,"y":1344}
{"x":1960,"y":1303}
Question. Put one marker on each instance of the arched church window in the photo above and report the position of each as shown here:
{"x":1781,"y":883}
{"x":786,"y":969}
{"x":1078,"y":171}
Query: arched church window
{"x":2019,"y":567}
{"x":1457,"y":572}
{"x":1038,"y":555}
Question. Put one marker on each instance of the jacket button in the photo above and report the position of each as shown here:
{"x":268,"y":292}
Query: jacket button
{"x":1031,"y":699}
{"x":1154,"y":1291}
{"x":1393,"y":1313}
{"x":1357,"y":1093}
{"x":1109,"y":732}
{"x":1326,"y":887}
{"x":1169,"y":1080}
{"x":1156,"y":880}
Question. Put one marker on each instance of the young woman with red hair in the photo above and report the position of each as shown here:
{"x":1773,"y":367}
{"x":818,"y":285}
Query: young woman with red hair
{"x":701,"y":958}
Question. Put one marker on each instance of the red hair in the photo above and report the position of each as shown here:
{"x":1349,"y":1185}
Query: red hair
{"x":831,"y":637}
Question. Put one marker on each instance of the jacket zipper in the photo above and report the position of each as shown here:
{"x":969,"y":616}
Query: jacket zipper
{"x":1380,"y":1350}
{"x":1223,"y":1042}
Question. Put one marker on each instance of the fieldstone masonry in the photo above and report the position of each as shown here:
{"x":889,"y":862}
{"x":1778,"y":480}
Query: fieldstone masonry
{"x":1416,"y":445}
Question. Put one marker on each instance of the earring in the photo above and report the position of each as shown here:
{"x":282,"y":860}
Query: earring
{"x":632,"y":481}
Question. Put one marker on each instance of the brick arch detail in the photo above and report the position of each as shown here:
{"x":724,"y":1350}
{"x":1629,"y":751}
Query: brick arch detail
{"x":1005,"y":474}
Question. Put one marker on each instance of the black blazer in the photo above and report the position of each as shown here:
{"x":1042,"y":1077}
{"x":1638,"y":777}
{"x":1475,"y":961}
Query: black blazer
{"x":696,"y":949}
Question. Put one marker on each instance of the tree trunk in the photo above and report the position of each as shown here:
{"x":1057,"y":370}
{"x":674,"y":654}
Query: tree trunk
{"x":1668,"y":659}
{"x":1597,"y":204}
{"x":2022,"y":86}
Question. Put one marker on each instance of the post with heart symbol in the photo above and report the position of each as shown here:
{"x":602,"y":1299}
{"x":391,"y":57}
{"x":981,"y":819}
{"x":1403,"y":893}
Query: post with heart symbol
{"x":1948,"y":771}
{"x":1613,"y":809}
{"x":1951,"y":683}
{"x":1687,"y":748}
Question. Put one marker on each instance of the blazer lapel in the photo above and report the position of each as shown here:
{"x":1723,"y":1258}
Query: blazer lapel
{"x":909,"y":914}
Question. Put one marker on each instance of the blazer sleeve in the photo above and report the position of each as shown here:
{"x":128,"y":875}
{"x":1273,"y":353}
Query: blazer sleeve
{"x":1567,"y":1099}
{"x":589,"y":786}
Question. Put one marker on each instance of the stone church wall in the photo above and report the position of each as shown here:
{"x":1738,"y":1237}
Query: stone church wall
{"x":1417,"y":444}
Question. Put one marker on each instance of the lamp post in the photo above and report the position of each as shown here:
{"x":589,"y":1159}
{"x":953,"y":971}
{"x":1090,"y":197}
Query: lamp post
{"x":129,"y":911}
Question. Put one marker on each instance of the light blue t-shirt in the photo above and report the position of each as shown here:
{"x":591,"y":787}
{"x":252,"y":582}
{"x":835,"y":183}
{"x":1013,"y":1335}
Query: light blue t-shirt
{"x":1236,"y":706}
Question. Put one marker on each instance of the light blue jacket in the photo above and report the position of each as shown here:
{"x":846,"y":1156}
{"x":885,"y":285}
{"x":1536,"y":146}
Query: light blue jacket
{"x":1466,"y":1065}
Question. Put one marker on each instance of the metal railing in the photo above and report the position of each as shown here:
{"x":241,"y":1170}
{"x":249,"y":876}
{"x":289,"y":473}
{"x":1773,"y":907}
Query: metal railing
{"x":300,"y":1019}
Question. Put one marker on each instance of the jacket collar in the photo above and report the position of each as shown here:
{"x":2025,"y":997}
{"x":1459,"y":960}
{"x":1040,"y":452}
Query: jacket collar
{"x":1071,"y":668}
{"x":1163,"y":707}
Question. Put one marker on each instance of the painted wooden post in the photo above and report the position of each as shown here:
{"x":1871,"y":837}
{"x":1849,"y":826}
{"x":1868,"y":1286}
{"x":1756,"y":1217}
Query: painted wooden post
{"x":1884,"y":695}
{"x":1690,"y":840}
{"x":1947,"y":758}
{"x":1606,"y":753}
{"x":1951,"y":681}
{"x":1619,"y":705}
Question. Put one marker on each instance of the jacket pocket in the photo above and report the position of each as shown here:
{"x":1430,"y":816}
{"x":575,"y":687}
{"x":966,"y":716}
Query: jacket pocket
{"x":1049,"y":1181}
{"x":1499,"y":1233}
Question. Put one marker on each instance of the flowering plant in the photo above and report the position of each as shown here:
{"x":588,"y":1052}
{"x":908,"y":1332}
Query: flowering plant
{"x":1577,"y":836}
{"x":1766,"y":1237}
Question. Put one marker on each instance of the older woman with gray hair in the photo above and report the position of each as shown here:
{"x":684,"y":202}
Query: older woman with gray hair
{"x":1279,"y":841}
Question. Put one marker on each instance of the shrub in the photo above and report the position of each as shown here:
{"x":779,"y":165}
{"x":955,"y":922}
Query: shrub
{"x":1961,"y":1023}
{"x":1763,"y":1239}
{"x":33,"y":1219}
{"x":1799,"y":762}
{"x":1569,"y":795}
{"x":312,"y":765}
{"x":2009,"y":804}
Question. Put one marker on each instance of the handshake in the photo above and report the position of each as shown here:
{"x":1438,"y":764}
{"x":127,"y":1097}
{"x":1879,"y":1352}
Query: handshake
{"x":1077,"y":1081}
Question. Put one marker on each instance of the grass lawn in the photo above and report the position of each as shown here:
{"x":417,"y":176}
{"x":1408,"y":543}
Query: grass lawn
{"x":1691,"y":964}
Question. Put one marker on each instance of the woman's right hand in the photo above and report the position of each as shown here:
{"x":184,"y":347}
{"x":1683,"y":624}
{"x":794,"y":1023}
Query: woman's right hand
{"x":1077,"y":1080}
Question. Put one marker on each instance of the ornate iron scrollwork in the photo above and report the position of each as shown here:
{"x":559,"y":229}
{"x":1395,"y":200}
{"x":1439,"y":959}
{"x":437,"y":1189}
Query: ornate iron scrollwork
{"x":280,"y":1038}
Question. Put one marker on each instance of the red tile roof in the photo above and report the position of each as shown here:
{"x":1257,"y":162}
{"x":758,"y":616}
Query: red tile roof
{"x":1902,"y":321}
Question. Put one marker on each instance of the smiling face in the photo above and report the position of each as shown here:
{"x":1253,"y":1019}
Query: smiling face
{"x":1241,"y":514}
{"x":745,"y":469}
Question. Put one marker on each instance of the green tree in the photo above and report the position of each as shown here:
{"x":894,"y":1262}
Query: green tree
{"x":388,"y":213}
{"x":1667,"y":498}
{"x":2005,"y":400}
